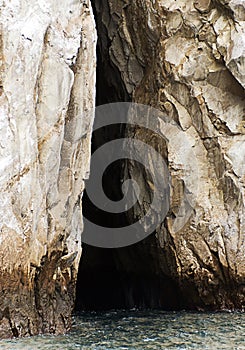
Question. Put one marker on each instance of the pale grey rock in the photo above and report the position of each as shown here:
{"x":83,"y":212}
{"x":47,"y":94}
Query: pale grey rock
{"x":48,"y":62}
{"x":185,"y":58}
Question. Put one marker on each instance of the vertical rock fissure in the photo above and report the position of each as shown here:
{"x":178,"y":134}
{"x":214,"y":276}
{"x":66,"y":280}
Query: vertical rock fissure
{"x":127,"y":277}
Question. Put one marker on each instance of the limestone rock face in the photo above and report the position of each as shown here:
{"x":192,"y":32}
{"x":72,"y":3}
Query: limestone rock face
{"x":47,"y":92}
{"x":187,"y":58}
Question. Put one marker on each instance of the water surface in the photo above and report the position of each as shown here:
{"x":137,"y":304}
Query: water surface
{"x":144,"y":330}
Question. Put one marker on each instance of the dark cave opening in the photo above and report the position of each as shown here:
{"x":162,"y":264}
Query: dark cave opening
{"x":119,"y":278}
{"x":124,"y":278}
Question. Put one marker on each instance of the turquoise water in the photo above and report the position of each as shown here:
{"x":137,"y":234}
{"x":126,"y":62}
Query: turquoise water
{"x":144,"y":330}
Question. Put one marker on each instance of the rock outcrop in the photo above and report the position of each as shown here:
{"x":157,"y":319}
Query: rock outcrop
{"x":47,"y":93}
{"x":186,"y":58}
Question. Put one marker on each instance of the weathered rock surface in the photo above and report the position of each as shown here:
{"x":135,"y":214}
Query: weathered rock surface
{"x":47,"y":53}
{"x":186,"y":58}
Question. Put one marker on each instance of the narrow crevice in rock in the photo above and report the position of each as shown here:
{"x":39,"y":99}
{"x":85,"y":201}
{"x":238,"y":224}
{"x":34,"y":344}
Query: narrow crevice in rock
{"x":129,"y":277}
{"x":109,"y":84}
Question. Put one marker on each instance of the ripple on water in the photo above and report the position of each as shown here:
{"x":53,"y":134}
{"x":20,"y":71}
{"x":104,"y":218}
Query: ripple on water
{"x":131,"y":330}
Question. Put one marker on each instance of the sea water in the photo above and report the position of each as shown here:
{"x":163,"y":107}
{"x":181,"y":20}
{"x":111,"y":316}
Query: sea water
{"x":144,"y":330}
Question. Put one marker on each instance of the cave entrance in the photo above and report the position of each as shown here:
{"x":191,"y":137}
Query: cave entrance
{"x":129,"y":277}
{"x":120,"y":278}
{"x":124,"y":278}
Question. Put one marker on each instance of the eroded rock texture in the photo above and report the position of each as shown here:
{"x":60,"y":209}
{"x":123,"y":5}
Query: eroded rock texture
{"x":47,"y":53}
{"x":186,"y":58}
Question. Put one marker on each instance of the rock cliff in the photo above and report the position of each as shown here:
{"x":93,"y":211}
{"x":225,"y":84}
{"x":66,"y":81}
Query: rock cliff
{"x":186,"y":58}
{"x":47,"y":53}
